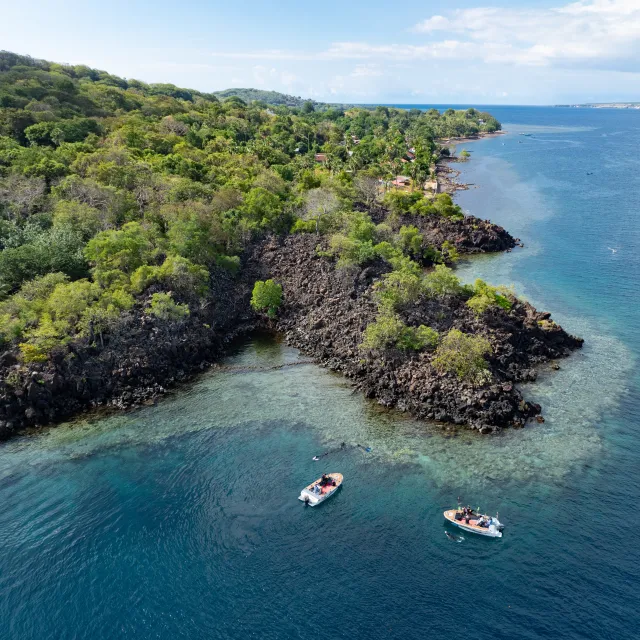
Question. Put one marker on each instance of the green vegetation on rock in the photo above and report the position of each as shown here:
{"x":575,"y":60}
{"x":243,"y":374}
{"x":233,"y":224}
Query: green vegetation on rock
{"x":389,"y":331}
{"x":267,"y":296}
{"x":463,"y":354}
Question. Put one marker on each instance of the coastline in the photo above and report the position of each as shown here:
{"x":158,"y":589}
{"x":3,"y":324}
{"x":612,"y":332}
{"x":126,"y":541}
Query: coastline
{"x":324,"y":313}
{"x":446,"y":175}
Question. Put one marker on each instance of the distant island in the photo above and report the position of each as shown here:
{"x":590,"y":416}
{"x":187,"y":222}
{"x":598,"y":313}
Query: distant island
{"x":603,"y":105}
{"x":144,"y":226}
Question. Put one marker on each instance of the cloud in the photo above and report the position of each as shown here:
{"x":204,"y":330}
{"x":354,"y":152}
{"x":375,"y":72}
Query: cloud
{"x":366,"y":71}
{"x":599,"y":33}
{"x":267,"y":54}
{"x":603,"y":34}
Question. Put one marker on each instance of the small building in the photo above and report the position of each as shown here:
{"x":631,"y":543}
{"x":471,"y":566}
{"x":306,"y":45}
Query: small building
{"x":401,"y":181}
{"x":321,"y":157}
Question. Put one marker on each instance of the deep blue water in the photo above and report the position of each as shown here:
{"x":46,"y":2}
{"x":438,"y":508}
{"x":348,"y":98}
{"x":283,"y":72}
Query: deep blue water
{"x":181,"y":520}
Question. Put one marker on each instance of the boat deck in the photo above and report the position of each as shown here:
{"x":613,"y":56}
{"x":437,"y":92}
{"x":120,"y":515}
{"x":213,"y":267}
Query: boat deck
{"x":327,"y":488}
{"x":472,"y":524}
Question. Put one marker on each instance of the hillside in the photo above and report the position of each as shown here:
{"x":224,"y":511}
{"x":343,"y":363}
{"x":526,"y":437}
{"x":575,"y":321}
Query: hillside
{"x":268,"y":97}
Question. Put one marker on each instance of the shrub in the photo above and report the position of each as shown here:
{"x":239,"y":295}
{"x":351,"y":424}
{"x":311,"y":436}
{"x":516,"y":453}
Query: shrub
{"x":230,"y":263}
{"x":389,"y":331}
{"x":351,"y":251}
{"x":444,"y":207}
{"x":485,"y":296}
{"x":400,"y":202}
{"x":397,"y":288}
{"x":303,"y":226}
{"x":266,"y":296}
{"x":423,"y":207}
{"x":68,"y":302}
{"x":42,"y":340}
{"x":163,"y":307}
{"x":449,"y":252}
{"x":125,"y":249}
{"x":410,"y":240}
{"x":442,"y":282}
{"x":10,"y":328}
{"x":384,"y":332}
{"x":463,"y":354}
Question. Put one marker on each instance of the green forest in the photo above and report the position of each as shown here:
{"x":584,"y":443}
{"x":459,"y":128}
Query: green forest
{"x":111,"y":186}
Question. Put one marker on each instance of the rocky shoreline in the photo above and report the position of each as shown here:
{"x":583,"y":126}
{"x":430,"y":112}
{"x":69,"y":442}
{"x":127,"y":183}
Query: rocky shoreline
{"x":324,"y":313}
{"x":326,"y":310}
{"x":446,"y":175}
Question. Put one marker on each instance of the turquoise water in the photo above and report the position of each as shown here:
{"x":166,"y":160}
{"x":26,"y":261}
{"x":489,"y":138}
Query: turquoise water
{"x":181,"y":520}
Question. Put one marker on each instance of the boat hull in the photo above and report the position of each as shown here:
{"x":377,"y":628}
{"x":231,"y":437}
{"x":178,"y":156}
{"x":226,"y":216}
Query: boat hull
{"x":487,"y":532}
{"x":308,"y":496}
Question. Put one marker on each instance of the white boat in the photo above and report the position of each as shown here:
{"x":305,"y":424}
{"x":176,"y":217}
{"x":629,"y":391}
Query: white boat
{"x":473,"y":523}
{"x":317,"y":492}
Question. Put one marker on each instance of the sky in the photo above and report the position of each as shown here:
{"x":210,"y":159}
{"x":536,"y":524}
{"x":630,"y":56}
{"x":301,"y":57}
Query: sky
{"x":363,"y":51}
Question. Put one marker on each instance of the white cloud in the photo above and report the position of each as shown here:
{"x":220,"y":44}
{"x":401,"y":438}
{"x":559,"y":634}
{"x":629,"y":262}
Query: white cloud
{"x":600,"y":33}
{"x":367,"y":71}
{"x":595,"y":33}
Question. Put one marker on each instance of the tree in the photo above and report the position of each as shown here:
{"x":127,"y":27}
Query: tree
{"x":389,"y":331}
{"x":79,"y":217}
{"x":262,"y":208}
{"x":367,"y":187}
{"x":485,"y":296}
{"x":463,"y":355}
{"x":442,"y":282}
{"x":266,"y":296}
{"x":410,"y":239}
{"x":125,"y":249}
{"x":319,"y":202}
{"x":163,"y":307}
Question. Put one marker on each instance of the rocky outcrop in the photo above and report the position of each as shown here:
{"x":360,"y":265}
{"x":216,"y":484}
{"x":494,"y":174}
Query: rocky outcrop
{"x":136,"y":363}
{"x":324,"y":313}
{"x":326,"y":310}
{"x":470,"y":235}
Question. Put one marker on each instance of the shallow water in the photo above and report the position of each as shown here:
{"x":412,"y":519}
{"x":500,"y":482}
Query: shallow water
{"x":181,"y":520}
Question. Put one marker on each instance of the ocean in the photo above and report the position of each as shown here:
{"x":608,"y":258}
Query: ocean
{"x":182,"y":520}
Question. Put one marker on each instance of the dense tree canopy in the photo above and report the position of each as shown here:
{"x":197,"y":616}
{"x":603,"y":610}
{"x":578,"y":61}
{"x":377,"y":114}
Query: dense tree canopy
{"x":110,"y":187}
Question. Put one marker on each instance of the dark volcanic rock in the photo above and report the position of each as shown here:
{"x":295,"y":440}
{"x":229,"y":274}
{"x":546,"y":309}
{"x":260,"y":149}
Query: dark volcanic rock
{"x":470,"y":235}
{"x":326,"y":310}
{"x":138,"y":360}
{"x":324,"y":313}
